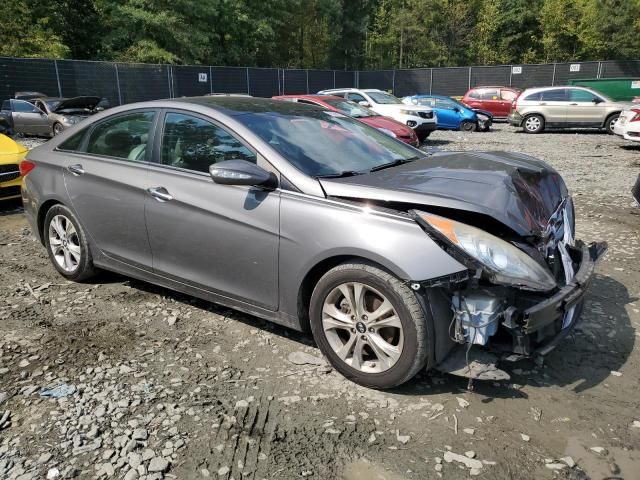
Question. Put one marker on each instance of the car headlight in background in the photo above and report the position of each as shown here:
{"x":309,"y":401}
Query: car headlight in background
{"x":507,"y":263}
{"x":410,"y":112}
{"x":69,"y":120}
{"x":388,"y":132}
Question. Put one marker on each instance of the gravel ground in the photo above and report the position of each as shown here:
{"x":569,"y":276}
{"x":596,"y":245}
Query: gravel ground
{"x":154,"y":384}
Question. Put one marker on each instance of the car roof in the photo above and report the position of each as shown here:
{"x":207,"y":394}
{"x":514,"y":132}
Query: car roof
{"x":494,"y":86}
{"x":558,"y":87}
{"x":317,"y":97}
{"x":235,"y":105}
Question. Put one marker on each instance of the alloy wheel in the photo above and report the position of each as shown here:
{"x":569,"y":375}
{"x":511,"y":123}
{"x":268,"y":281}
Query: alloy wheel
{"x":532,"y":124}
{"x":362,"y":327}
{"x":64,"y":243}
{"x":57,"y":129}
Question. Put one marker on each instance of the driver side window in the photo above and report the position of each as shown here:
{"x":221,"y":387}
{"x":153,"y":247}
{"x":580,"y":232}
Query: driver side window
{"x":22,"y":106}
{"x":194,"y":144}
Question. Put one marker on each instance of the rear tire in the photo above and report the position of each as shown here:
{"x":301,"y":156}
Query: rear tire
{"x":610,"y":123}
{"x":468,"y":126}
{"x":67,"y":245}
{"x":533,"y":123}
{"x":423,"y":136}
{"x":384,"y":340}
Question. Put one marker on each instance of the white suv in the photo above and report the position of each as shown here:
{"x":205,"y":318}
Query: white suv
{"x":422,"y":119}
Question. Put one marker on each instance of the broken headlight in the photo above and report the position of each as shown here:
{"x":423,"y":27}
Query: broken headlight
{"x":504,"y":263}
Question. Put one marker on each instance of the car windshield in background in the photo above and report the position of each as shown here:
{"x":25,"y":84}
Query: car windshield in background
{"x":383,"y":98}
{"x":350,"y":108}
{"x":52,"y":104}
{"x":324,"y":143}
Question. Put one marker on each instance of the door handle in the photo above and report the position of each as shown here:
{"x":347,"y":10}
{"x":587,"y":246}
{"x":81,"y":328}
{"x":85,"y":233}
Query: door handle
{"x":160,"y":193}
{"x":76,"y":169}
{"x":573,"y":104}
{"x":543,"y":103}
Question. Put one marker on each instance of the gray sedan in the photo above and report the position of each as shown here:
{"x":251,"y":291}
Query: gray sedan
{"x":395,"y":259}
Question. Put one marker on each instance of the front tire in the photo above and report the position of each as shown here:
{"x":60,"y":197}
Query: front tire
{"x":467,"y":126}
{"x":370,"y":325}
{"x":533,"y":123}
{"x":57,"y":129}
{"x":610,"y":123}
{"x":67,"y":245}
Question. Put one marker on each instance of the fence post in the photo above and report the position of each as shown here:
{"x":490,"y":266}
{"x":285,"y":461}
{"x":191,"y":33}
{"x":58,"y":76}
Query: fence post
{"x":307,"y":81}
{"x":393,"y":82}
{"x":210,"y":79}
{"x":169,"y":81}
{"x":248,"y":86}
{"x":599,"y":74}
{"x":553,"y":78}
{"x":334,"y":79}
{"x":469,"y":87}
{"x":510,"y":74}
{"x":118,"y":83}
{"x":430,"y":80}
{"x":55,"y":64}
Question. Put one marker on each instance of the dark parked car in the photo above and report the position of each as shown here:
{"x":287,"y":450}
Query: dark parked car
{"x":46,"y":116}
{"x":395,"y":259}
{"x":496,"y":100}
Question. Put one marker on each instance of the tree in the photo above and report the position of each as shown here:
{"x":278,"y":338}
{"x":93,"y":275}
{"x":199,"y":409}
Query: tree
{"x":24,"y":34}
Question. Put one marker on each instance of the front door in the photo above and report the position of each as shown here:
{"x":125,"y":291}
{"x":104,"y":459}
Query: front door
{"x":221,"y":238}
{"x":29,"y":119}
{"x":107,"y":182}
{"x":585,"y":109}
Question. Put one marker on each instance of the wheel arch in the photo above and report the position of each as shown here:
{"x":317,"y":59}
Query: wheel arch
{"x":42,"y":214}
{"x":529,"y":114}
{"x":315,"y":273}
{"x":604,"y":124}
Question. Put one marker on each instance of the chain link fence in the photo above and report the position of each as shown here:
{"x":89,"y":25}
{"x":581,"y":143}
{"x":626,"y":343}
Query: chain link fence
{"x":122,"y":83}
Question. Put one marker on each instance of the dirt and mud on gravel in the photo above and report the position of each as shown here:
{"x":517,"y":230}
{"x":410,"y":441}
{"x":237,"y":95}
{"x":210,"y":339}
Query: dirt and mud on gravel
{"x":120,"y":379}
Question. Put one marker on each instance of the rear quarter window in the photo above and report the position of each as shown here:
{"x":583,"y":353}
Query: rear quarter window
{"x":533,"y":97}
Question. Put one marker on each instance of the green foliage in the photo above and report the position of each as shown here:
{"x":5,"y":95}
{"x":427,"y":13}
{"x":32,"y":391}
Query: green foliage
{"x":343,"y":34}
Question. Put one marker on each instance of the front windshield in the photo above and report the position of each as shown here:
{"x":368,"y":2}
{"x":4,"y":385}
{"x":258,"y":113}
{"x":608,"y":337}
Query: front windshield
{"x":325,"y":143}
{"x":350,"y":108}
{"x":383,"y":98}
{"x":52,"y":104}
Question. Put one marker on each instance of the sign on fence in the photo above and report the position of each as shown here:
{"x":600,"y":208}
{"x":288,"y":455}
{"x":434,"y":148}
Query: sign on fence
{"x":574,"y":67}
{"x":516,"y":70}
{"x":202,"y":77}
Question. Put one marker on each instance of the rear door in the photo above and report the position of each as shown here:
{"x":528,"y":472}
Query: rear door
{"x":448,"y":116}
{"x":585,"y":108}
{"x":490,"y":100}
{"x":553,"y":105}
{"x":221,"y":238}
{"x":29,"y":119}
{"x":106,"y":182}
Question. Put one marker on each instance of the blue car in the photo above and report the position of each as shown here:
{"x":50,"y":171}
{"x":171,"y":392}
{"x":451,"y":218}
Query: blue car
{"x":453,"y":115}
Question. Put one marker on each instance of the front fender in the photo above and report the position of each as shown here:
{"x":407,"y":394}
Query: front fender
{"x":314,"y":230}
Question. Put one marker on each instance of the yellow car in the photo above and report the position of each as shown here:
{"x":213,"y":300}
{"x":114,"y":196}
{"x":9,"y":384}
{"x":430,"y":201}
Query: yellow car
{"x":11,"y":154}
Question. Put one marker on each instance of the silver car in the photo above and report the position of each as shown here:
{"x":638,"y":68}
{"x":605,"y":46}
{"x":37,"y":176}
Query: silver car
{"x":47,"y":116}
{"x":394,"y":259}
{"x":539,"y":109}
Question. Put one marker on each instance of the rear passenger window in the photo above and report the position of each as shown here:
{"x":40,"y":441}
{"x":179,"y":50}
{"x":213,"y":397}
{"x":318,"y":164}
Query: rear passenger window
{"x":194,"y":144}
{"x":125,"y":136}
{"x":555,"y":95}
{"x":489,"y":94}
{"x":73,"y":143}
{"x":581,"y":96}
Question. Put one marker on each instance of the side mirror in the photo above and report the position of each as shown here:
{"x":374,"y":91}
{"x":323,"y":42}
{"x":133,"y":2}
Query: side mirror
{"x":241,"y":172}
{"x":364,"y":103}
{"x":597,"y":100}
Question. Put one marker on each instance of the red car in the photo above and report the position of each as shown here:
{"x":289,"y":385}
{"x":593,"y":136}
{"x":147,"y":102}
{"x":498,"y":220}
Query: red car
{"x":496,"y":100}
{"x":347,"y":107}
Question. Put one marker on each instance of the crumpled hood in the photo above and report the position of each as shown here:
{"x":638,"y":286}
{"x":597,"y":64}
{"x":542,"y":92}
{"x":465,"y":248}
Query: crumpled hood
{"x":517,"y":190}
{"x":77,"y":103}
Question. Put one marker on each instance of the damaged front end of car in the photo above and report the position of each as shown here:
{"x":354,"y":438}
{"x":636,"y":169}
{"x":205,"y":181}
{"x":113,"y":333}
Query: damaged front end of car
{"x":518,"y":298}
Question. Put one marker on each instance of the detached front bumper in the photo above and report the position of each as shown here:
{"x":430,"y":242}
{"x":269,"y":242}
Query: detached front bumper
{"x":545,"y":323}
{"x":514,"y":119}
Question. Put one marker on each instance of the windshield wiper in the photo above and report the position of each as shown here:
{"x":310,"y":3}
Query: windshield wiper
{"x":346,"y":173}
{"x":393,"y":163}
